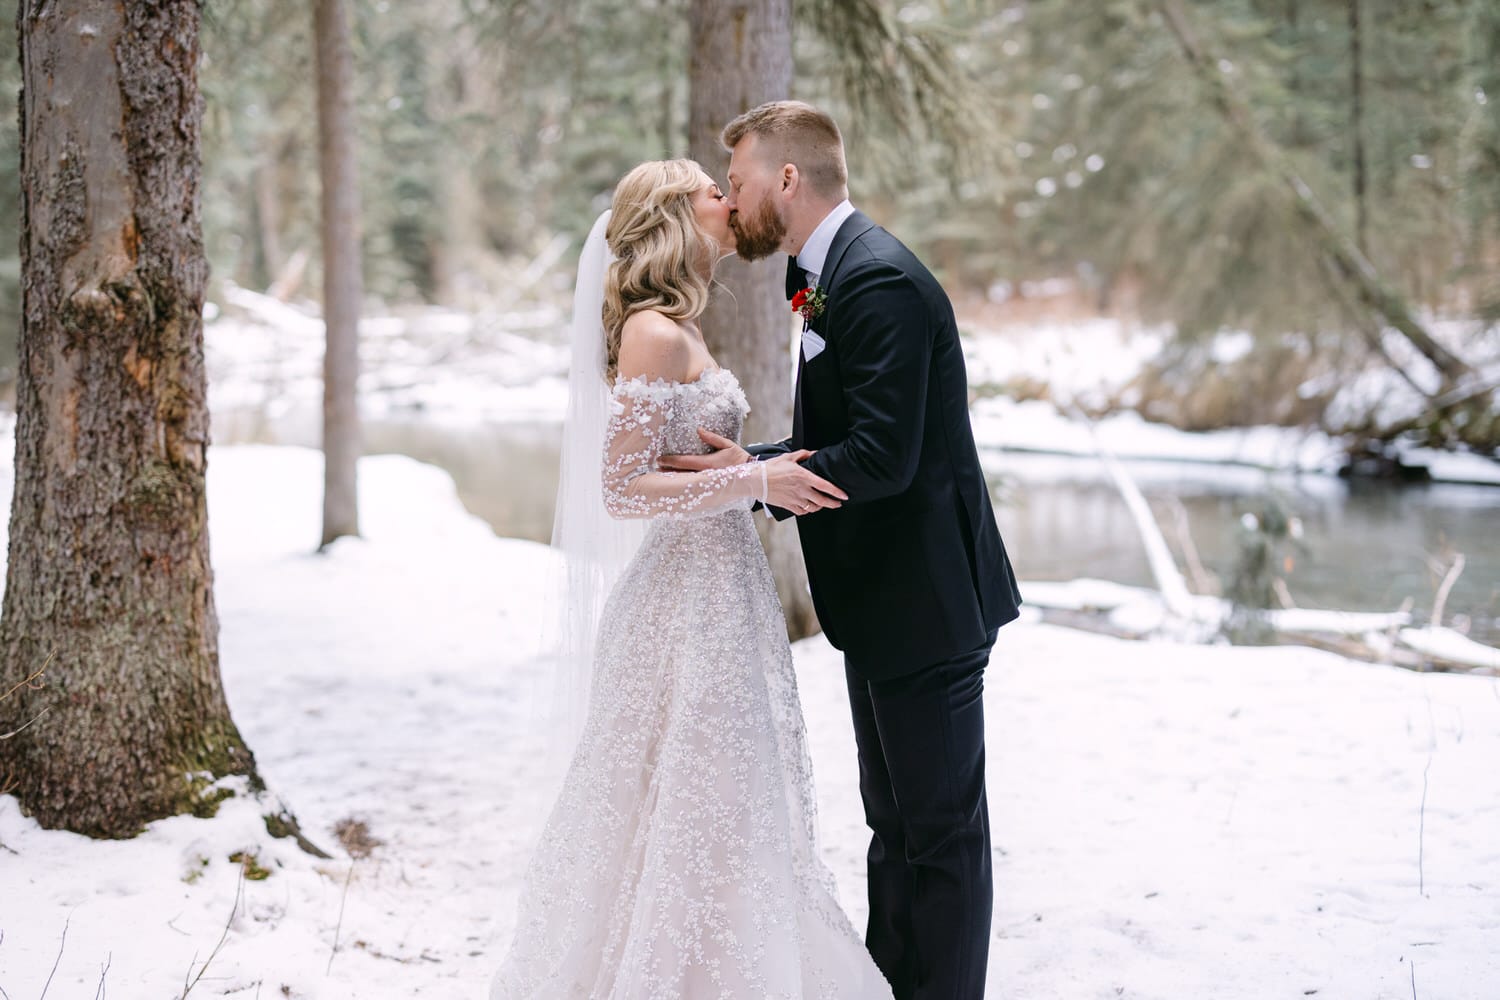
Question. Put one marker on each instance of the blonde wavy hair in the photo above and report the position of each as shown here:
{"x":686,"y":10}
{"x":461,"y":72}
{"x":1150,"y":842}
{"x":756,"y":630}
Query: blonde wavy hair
{"x":659,"y":248}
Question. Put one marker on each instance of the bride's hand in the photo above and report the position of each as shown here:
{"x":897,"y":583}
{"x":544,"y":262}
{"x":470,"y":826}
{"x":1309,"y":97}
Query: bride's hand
{"x":725,"y":454}
{"x":794,"y":488}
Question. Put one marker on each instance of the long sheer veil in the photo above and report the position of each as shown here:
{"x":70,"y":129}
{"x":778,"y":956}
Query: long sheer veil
{"x":593,"y":546}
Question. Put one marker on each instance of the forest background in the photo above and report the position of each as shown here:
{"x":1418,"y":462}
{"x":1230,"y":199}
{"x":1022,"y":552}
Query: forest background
{"x":1011,"y":144}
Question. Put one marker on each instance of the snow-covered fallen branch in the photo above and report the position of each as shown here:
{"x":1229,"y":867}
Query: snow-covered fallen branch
{"x":1444,"y":644}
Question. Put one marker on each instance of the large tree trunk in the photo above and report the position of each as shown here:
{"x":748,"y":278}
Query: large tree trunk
{"x":343,"y":286}
{"x":741,"y":56}
{"x":108,"y":585}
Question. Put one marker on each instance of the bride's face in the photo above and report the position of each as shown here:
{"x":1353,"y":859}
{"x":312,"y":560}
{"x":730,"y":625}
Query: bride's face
{"x":712,"y":210}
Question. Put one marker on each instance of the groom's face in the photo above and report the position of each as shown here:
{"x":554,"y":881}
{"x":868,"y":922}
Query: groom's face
{"x":755,"y":211}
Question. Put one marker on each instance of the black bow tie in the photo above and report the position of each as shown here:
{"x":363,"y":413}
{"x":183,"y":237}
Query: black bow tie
{"x":796,"y":278}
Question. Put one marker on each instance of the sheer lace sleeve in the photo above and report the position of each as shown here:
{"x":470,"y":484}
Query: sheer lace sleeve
{"x":634,"y":487}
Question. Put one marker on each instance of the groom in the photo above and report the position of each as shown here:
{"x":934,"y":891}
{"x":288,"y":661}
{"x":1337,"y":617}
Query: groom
{"x":909,"y":577}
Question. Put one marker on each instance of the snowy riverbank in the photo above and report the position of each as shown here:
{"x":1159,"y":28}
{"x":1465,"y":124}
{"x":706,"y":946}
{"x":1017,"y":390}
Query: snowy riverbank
{"x":1170,"y":821}
{"x":462,"y":370}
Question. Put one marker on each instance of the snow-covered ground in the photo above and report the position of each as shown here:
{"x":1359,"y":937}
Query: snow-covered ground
{"x":1169,"y":821}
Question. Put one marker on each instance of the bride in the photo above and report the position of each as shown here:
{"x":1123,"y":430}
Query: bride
{"x":680,"y":859}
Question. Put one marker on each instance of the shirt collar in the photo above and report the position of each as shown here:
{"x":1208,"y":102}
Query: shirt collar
{"x":814,"y":255}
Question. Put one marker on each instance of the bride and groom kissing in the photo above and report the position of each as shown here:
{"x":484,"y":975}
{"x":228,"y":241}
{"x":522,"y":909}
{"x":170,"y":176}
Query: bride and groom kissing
{"x":680,"y":858}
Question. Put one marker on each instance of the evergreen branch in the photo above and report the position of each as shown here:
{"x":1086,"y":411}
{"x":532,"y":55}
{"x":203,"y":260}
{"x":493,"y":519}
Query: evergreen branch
{"x":911,"y":76}
{"x":1213,"y":72}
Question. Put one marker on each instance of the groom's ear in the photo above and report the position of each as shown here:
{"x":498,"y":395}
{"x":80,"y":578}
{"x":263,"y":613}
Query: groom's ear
{"x":791,"y":180}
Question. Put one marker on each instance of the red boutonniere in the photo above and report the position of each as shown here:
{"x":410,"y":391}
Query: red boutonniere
{"x":810,"y":302}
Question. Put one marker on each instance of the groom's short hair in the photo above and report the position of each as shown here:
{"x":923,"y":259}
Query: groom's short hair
{"x":794,"y":132}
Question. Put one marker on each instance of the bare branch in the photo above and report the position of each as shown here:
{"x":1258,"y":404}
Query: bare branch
{"x":1422,"y":831}
{"x":58,"y":961}
{"x":26,"y":725}
{"x":32,"y":683}
{"x":99,"y":993}
{"x":187,"y":987}
{"x":1439,"y":604}
{"x":340,"y":925}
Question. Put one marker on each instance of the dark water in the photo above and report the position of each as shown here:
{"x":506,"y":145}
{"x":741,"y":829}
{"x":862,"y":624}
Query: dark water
{"x":1364,"y":548}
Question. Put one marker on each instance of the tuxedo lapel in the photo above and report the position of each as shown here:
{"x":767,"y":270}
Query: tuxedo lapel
{"x":796,"y":279}
{"x":853,"y":228}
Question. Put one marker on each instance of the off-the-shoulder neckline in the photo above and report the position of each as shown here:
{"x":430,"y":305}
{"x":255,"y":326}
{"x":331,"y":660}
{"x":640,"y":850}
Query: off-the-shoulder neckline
{"x":666,"y":383}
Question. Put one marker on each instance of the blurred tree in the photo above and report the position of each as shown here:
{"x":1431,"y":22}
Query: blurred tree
{"x":741,"y":56}
{"x":494,"y":130}
{"x":108,"y":583}
{"x":342,"y":280}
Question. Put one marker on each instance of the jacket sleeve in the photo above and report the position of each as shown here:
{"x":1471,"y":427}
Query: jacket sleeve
{"x":884,"y":340}
{"x":635,"y":488}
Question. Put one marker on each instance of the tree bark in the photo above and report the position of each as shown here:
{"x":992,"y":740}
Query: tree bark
{"x":342,"y":283}
{"x":108,"y":583}
{"x":741,"y":56}
{"x":1350,"y":263}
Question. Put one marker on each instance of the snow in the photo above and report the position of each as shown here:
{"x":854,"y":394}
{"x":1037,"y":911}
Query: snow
{"x":456,"y":369}
{"x":1447,"y":643}
{"x":1169,"y":820}
{"x":1003,"y":424}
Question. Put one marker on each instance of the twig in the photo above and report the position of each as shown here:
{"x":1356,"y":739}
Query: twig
{"x":30,"y":681}
{"x":99,"y":993}
{"x":187,"y":987}
{"x":1439,"y":603}
{"x":1203,"y":581}
{"x":1414,"y":981}
{"x":1169,"y":578}
{"x":1422,"y":830}
{"x":27,"y":725}
{"x":58,"y":961}
{"x":340,"y":925}
{"x":1282,"y":593}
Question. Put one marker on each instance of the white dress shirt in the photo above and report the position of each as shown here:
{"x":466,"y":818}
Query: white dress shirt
{"x":814,"y":254}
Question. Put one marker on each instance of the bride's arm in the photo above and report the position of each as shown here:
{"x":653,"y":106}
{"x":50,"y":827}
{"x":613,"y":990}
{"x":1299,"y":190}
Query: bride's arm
{"x":654,"y":360}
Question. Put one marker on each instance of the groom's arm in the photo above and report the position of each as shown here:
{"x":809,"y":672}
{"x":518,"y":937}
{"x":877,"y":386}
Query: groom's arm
{"x":885,"y":349}
{"x":725,"y":454}
{"x":769,"y":449}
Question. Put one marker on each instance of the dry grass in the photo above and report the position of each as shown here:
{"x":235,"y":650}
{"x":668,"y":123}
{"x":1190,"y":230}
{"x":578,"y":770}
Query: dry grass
{"x":354,"y":835}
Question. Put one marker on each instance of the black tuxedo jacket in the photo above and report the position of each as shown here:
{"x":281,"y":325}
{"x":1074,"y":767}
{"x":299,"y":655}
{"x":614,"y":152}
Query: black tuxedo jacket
{"x":911,"y":570}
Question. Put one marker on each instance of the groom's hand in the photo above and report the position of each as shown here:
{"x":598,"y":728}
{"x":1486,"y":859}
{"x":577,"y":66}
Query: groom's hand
{"x":725,"y":454}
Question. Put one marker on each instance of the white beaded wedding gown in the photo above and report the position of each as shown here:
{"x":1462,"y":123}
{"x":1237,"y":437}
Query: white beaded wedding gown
{"x":680,"y":860}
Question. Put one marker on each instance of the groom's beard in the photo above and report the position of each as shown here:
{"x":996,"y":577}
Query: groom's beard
{"x":758,"y":236}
